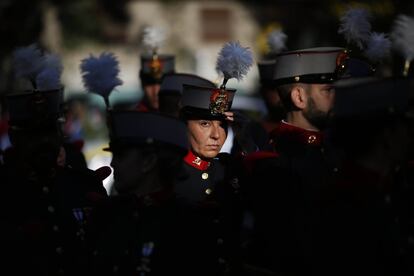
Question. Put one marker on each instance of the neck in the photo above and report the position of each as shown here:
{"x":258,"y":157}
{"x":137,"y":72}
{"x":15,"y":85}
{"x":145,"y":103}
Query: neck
{"x":297,"y":119}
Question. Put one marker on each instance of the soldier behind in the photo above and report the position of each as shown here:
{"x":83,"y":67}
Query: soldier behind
{"x":172,"y":89}
{"x":274,"y":106}
{"x":276,"y":41}
{"x":371,"y":223}
{"x":153,"y":67}
{"x":133,"y":233}
{"x":50,"y":202}
{"x":289,"y":214}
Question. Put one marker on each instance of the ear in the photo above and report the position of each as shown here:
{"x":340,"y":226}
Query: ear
{"x":149,"y":162}
{"x":299,"y":96}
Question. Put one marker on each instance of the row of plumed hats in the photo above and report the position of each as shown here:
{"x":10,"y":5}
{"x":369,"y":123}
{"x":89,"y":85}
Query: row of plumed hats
{"x":38,"y":108}
{"x":201,"y":97}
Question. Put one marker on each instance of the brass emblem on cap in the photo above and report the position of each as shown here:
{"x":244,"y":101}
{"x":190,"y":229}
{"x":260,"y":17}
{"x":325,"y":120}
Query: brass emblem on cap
{"x":204,"y":176}
{"x":341,"y":59}
{"x":297,"y":78}
{"x":219,"y":101}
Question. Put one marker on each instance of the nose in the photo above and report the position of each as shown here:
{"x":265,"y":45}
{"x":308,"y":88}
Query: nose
{"x":215,"y":133}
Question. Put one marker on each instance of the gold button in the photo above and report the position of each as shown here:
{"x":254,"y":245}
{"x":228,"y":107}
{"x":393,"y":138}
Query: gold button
{"x":311,"y":139}
{"x":208,"y":191}
{"x":204,"y":176}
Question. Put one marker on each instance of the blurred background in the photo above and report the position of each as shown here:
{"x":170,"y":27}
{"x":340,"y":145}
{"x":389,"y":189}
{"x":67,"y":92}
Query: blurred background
{"x":196,"y":30}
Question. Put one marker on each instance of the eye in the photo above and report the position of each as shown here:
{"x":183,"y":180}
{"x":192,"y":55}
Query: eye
{"x":328,"y":89}
{"x":204,"y":123}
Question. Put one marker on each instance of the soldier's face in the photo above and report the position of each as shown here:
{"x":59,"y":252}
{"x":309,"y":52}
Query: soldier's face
{"x":319,"y":104}
{"x":206,"y":137}
{"x":151,"y":93}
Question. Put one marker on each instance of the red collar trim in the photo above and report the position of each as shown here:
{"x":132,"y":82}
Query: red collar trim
{"x":196,"y":161}
{"x":298,"y":134}
{"x":142,"y":107}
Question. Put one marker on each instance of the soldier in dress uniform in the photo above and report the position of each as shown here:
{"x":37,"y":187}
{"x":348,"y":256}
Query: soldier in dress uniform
{"x":206,"y":191}
{"x":153,"y":67}
{"x":172,"y":88}
{"x":47,"y":203}
{"x":275,"y":110}
{"x":374,"y":127}
{"x":276,"y":42}
{"x":133,"y":232}
{"x":289,"y":214}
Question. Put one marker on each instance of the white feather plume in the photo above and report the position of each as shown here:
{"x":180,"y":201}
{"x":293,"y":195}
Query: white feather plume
{"x":100,"y":74}
{"x":28,"y":62}
{"x":153,"y":38}
{"x":378,"y":46}
{"x":402,"y":36}
{"x":277,"y":41}
{"x":234,"y":61}
{"x":49,"y":77}
{"x":355,"y":26}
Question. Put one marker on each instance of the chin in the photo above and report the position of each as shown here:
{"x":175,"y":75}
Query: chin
{"x":211,"y":154}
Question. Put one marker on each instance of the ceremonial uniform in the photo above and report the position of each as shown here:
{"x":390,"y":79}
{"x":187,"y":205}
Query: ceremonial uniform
{"x":47,"y":203}
{"x":372,"y":187}
{"x":135,"y":231}
{"x":208,"y":192}
{"x":153,"y":68}
{"x":291,"y":213}
{"x":275,"y":110}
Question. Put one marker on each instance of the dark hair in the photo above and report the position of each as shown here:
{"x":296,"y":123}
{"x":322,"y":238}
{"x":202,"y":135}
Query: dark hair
{"x":284,"y":91}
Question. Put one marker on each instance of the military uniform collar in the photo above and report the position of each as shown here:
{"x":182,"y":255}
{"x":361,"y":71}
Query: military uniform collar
{"x":196,"y":162}
{"x":143,"y":107}
{"x":297,"y":134}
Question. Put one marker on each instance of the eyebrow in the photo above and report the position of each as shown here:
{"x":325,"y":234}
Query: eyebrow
{"x":328,"y":86}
